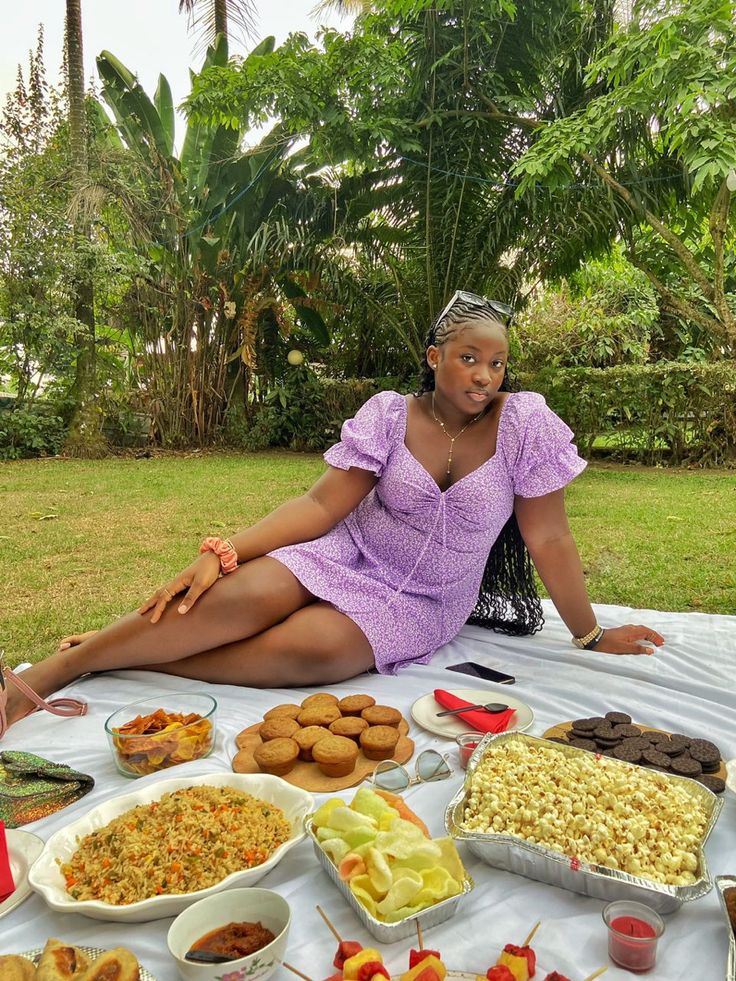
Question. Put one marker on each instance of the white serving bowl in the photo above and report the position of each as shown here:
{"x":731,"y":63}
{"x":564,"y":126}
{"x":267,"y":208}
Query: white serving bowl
{"x":232,"y":906}
{"x":46,"y":878}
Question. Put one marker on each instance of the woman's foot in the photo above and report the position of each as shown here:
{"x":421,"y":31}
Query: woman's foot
{"x":74,"y":639}
{"x":43,"y":678}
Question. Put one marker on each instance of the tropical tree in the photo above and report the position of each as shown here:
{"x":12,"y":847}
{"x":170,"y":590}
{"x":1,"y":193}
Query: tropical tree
{"x":84,"y":438}
{"x":417,"y":109}
{"x":224,"y":232}
{"x":656,"y":143}
{"x":212,"y":17}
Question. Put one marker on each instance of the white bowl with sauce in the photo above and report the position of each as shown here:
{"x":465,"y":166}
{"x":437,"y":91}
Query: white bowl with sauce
{"x":216,"y":912}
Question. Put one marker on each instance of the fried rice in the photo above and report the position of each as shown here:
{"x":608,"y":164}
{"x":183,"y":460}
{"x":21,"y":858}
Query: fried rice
{"x":189,"y":839}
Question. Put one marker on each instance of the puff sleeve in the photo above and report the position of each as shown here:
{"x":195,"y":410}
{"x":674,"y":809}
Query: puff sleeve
{"x":367,"y":439}
{"x":546,"y":459}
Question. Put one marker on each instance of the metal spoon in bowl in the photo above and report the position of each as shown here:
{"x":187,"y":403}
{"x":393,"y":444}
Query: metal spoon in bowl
{"x":492,"y":707}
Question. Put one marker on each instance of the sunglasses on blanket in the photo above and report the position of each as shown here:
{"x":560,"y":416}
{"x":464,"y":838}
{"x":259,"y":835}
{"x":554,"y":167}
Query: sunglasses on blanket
{"x":430,"y":766}
{"x":503,"y":310}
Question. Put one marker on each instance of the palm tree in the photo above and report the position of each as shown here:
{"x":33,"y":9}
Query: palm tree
{"x":84,"y":437}
{"x":212,"y":17}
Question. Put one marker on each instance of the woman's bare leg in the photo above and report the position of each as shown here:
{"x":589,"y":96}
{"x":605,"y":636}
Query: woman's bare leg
{"x":316,"y":645}
{"x":256,"y":596}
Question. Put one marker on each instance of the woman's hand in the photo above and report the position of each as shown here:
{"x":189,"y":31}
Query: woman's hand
{"x":196,"y":579}
{"x":629,"y":639}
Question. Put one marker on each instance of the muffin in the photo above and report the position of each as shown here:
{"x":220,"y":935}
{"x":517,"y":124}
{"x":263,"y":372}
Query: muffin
{"x":321,"y":714}
{"x":322,"y":697}
{"x":277,"y":756}
{"x":279,"y":728}
{"x":381,"y":715}
{"x":283,"y":712}
{"x":335,"y":755}
{"x":354,"y":704}
{"x":348,"y":726}
{"x":379,"y":742}
{"x":306,"y":739}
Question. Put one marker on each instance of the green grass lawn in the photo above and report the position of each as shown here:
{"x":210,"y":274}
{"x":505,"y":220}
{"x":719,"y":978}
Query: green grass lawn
{"x":82,"y":542}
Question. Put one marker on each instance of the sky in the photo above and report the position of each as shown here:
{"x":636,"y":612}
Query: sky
{"x":148,"y":36}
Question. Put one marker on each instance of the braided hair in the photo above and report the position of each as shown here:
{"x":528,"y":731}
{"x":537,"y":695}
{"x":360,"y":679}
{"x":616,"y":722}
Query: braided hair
{"x":508,"y":600}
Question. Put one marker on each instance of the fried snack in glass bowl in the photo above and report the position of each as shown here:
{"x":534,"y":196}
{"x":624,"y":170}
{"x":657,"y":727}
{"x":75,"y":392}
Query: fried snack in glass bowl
{"x":159,"y":732}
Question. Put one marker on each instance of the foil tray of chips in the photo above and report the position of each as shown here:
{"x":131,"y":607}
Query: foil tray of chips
{"x":535,"y":861}
{"x":724,"y":883}
{"x":387,"y":933}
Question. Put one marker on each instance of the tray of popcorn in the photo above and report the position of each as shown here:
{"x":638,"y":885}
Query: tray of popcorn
{"x":592,"y":824}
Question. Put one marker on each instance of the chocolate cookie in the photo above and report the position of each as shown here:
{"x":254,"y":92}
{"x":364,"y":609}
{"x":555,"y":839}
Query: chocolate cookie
{"x":588,"y":744}
{"x":625,"y":731}
{"x":714,"y":784}
{"x":604,"y":731}
{"x":618,"y":718}
{"x":607,"y":743}
{"x":580,"y":734}
{"x":686,"y":740}
{"x":712,"y":766}
{"x":684,"y":766}
{"x":637,"y":742}
{"x":653,"y":758}
{"x":704,"y":751}
{"x":631,"y":754}
{"x":670,"y":747}
{"x":587,"y":725}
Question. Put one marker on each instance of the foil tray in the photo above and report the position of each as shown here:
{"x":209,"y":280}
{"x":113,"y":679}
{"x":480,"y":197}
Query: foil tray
{"x":388,"y":933}
{"x":724,"y":882}
{"x":514,"y":854}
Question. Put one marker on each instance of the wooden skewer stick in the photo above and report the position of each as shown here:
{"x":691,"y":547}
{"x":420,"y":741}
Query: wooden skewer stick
{"x":330,"y":926}
{"x":597,"y":974}
{"x":531,"y":933}
{"x":420,"y":941}
{"x":304,"y":977}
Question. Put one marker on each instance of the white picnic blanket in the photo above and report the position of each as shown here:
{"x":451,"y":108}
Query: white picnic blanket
{"x":688,"y":687}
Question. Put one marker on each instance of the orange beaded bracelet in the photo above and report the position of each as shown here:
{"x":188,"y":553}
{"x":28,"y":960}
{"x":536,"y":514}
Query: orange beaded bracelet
{"x":224,"y":550}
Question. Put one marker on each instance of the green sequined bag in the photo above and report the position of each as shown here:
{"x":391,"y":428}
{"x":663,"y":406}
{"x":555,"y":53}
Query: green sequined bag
{"x":32,"y":787}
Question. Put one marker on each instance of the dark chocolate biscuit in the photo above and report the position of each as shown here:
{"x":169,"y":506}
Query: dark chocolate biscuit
{"x":681,"y":739}
{"x":580,"y":734}
{"x":637,"y":742}
{"x":626,"y":731}
{"x":653,"y":758}
{"x":714,"y":784}
{"x":587,"y":725}
{"x":704,"y":751}
{"x":670,"y":747}
{"x":684,"y":766}
{"x":631,"y":754}
{"x":618,"y":718}
{"x":607,"y":743}
{"x":712,"y":766}
{"x":588,"y":744}
{"x":604,"y":731}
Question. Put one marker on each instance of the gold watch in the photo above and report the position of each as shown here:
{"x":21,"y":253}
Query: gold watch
{"x":590,"y":639}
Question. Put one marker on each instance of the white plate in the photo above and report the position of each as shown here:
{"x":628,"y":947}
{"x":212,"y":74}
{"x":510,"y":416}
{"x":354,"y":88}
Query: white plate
{"x":23,"y":850}
{"x":730,"y":777}
{"x":92,"y":952}
{"x":424,"y":712}
{"x":46,"y":878}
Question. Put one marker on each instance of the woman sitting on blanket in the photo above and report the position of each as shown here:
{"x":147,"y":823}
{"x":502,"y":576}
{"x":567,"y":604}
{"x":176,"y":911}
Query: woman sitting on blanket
{"x":427,"y":516}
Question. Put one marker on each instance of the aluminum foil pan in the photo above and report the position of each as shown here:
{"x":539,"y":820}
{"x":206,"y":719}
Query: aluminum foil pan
{"x":388,"y":933}
{"x":724,"y":882}
{"x":545,"y":865}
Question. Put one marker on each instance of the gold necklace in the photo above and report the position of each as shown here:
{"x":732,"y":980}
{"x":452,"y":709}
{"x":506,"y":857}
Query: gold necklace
{"x":456,"y":436}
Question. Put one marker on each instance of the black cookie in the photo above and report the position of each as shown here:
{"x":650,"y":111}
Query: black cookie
{"x":587,"y":725}
{"x":618,"y":718}
{"x":607,"y":743}
{"x":704,"y":751}
{"x":631,"y":754}
{"x":670,"y":747}
{"x":580,"y":734}
{"x":686,"y":767}
{"x":653,"y":758}
{"x":637,"y":742}
{"x":625,"y":731}
{"x":714,"y":784}
{"x":681,"y":739}
{"x":588,"y":744}
{"x":711,"y":766}
{"x":604,"y":731}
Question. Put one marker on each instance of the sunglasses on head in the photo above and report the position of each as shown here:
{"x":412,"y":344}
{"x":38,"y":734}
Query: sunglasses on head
{"x":430,"y":765}
{"x":475,"y":300}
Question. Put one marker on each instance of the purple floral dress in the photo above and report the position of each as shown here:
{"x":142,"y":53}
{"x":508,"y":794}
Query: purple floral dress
{"x":407,"y":563}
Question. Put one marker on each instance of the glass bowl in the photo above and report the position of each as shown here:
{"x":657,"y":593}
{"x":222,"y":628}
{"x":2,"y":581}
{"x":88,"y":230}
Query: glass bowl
{"x":159,"y":732}
{"x":467,"y":741}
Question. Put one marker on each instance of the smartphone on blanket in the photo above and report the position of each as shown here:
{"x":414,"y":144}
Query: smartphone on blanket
{"x":481,"y":671}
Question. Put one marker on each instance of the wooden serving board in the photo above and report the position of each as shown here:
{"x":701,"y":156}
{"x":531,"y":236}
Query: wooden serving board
{"x":562,"y":729}
{"x":308,"y":776}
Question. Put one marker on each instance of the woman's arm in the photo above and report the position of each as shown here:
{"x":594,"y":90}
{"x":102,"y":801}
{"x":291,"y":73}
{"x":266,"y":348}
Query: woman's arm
{"x":546,"y":532}
{"x":309,"y":516}
{"x":325,"y":504}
